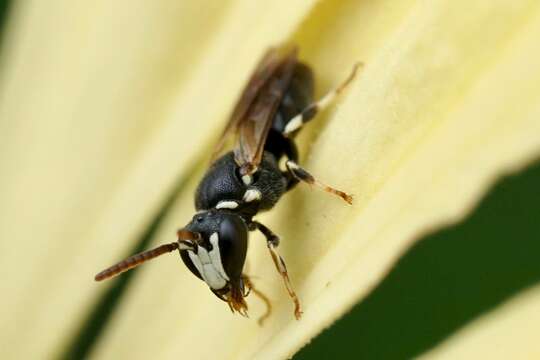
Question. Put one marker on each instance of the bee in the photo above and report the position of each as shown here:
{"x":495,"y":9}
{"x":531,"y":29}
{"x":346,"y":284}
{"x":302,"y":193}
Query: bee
{"x":262,"y":166}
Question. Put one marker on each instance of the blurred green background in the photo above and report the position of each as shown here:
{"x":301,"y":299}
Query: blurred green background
{"x":4,"y":6}
{"x":446,"y":280}
{"x":443,"y":282}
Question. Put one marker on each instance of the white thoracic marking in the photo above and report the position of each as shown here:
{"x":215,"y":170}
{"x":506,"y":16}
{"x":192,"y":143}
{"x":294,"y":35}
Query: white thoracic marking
{"x":226,"y":204}
{"x":247,"y":179}
{"x":215,"y":256}
{"x":209,"y":264}
{"x":252,"y":195}
{"x":295,"y":123}
{"x":195,"y":260}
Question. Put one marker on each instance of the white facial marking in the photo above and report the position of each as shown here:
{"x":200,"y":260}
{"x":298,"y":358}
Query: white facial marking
{"x":213,"y":279}
{"x":247,"y":179}
{"x":252,"y":195}
{"x":195,"y":260}
{"x":204,"y":265}
{"x":295,"y":123}
{"x":225,"y":204}
{"x":215,"y":256}
{"x":185,"y":245}
{"x":209,"y":265}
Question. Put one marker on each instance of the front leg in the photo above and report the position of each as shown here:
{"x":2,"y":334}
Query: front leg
{"x":272,"y":242}
{"x":251,"y":288}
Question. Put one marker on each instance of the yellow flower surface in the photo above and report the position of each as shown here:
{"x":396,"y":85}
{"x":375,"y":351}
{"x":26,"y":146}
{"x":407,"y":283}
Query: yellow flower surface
{"x":510,"y":332}
{"x":106,"y":106}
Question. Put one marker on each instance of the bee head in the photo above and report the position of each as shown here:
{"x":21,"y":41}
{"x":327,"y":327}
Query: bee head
{"x":218,"y":255}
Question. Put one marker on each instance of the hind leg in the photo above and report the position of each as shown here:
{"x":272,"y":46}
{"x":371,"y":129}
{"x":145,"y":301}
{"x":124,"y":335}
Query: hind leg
{"x":286,"y":130}
{"x":312,"y":109}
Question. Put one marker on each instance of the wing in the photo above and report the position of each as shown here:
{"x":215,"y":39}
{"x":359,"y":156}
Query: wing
{"x":252,"y":117}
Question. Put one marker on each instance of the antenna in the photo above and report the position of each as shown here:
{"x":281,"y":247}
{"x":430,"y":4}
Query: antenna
{"x":135,"y":260}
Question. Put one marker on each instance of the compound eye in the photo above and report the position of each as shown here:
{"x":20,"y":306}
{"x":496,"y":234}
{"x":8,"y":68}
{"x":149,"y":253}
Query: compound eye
{"x":233,"y":234}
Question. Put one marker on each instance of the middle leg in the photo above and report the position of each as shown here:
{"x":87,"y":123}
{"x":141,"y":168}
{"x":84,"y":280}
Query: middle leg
{"x":302,"y":175}
{"x":272,"y":241}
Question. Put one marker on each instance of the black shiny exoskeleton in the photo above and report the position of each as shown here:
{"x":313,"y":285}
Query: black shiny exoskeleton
{"x":251,"y":178}
{"x":223,"y":182}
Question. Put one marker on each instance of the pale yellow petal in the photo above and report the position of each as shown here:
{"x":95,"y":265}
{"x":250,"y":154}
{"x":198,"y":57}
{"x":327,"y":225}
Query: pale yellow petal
{"x":103,"y":105}
{"x":508,"y":332}
{"x":448,"y":101}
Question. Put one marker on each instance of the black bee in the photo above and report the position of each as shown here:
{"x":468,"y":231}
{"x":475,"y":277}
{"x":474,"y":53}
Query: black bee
{"x":276,"y":103}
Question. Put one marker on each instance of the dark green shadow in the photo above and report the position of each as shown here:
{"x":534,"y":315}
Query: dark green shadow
{"x":446,"y":280}
{"x":98,"y":319}
{"x":5,"y":6}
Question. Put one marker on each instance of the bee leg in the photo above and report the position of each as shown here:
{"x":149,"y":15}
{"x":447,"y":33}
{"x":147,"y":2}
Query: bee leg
{"x":272,"y":242}
{"x":312,"y":109}
{"x":303,"y":175}
{"x":251,"y":288}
